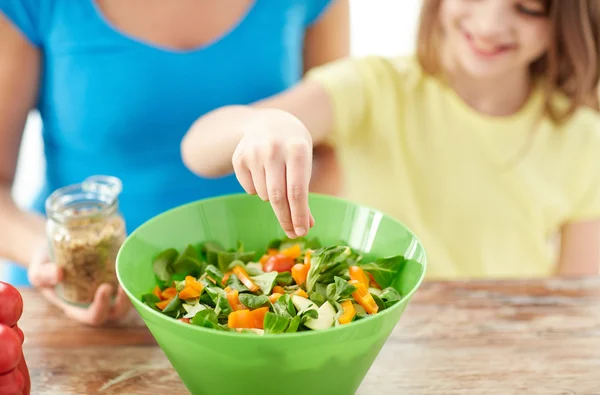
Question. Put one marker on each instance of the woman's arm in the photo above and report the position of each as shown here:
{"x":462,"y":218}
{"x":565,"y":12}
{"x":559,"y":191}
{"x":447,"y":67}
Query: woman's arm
{"x":329,"y":38}
{"x":580,"y":249}
{"x":326,"y":41}
{"x":19,"y":75}
{"x":23,"y":235}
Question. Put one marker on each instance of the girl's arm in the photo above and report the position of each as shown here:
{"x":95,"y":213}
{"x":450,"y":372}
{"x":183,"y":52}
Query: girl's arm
{"x":304,"y":110}
{"x":325,"y":41}
{"x":580,"y":249}
{"x":269,"y":145}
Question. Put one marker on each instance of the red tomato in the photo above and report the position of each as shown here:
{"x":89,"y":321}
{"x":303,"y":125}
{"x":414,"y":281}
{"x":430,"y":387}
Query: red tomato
{"x":12,"y":383}
{"x":26,"y":378}
{"x":279,"y":263}
{"x":10,"y":349}
{"x":11,"y":304}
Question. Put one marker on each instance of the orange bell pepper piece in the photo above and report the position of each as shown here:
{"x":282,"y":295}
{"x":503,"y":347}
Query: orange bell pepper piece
{"x":349,"y":312}
{"x":233,"y":298}
{"x":163,"y":304}
{"x":363,"y":297}
{"x":278,"y":289}
{"x":169,"y":293}
{"x":259,"y":316}
{"x":247,"y":319}
{"x":226,"y":277}
{"x":193,"y":283}
{"x":185,"y":320}
{"x":300,"y":272}
{"x":274,"y":297}
{"x":302,"y":293}
{"x":307,"y":257}
{"x":292,"y":252}
{"x":241,"y":274}
{"x":156,"y":291}
{"x":358,"y":274}
{"x":189,"y":293}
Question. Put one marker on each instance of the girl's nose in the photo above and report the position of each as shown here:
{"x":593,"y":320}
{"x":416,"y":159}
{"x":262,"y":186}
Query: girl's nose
{"x":492,"y":19}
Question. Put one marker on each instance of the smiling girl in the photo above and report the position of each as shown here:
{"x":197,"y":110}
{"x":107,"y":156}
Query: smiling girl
{"x":486,"y":143}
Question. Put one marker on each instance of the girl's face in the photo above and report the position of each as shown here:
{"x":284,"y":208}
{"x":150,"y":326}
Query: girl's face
{"x":491,"y":38}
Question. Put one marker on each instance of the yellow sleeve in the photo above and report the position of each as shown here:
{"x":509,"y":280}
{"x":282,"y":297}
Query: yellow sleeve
{"x":350,"y":84}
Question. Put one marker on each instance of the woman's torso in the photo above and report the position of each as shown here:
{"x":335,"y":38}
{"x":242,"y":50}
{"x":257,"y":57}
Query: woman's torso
{"x":117,"y":104}
{"x":114,"y":104}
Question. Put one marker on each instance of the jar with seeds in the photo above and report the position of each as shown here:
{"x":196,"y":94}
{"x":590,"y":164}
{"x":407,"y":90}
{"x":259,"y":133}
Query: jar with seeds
{"x":85,"y":231}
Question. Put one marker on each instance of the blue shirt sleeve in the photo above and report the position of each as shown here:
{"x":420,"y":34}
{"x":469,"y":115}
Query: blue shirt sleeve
{"x":27,"y":16}
{"x":315,"y":9}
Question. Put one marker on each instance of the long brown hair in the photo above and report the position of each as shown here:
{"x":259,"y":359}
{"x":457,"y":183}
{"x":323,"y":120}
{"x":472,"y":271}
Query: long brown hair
{"x":571,"y":65}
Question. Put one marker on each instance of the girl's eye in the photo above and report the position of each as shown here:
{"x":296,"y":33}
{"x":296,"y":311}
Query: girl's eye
{"x":532,"y":8}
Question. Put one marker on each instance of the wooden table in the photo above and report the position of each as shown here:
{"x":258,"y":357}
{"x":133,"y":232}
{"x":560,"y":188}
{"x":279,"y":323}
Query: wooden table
{"x":508,"y":337}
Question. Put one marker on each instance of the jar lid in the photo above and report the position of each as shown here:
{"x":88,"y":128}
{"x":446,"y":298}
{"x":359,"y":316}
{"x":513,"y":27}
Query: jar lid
{"x":105,"y":185}
{"x":95,"y":196}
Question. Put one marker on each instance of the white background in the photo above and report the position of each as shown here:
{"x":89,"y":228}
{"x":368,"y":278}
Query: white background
{"x":384,"y":27}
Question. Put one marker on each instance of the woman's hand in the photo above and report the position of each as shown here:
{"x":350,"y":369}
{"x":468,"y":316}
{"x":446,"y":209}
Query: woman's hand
{"x":274,"y":160}
{"x":45,"y":275}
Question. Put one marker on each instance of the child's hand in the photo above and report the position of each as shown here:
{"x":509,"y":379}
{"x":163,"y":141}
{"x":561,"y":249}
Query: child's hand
{"x":274,"y":160}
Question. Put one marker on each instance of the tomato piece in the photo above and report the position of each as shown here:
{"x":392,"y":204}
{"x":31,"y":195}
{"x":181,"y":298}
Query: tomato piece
{"x":10,"y":349}
{"x":11,"y":304}
{"x":279,"y":263}
{"x":22,"y":367}
{"x":185,"y":320}
{"x":12,"y":383}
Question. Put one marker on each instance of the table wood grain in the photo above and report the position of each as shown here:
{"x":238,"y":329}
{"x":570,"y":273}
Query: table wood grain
{"x":472,"y":337}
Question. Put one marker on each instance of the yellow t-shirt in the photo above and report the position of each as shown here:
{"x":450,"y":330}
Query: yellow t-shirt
{"x":486,"y":195}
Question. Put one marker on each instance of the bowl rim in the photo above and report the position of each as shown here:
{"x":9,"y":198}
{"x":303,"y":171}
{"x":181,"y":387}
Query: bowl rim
{"x":241,"y":335}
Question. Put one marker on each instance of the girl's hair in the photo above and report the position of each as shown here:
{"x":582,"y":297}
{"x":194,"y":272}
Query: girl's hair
{"x":571,"y":66}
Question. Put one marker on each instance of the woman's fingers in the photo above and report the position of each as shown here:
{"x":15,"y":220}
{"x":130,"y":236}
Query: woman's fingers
{"x":96,"y":314}
{"x":42,"y":273}
{"x":121,"y":306}
{"x":298,"y":169}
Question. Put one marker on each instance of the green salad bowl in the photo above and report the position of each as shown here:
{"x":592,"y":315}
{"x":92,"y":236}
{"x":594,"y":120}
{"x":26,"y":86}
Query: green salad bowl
{"x":328,"y":362}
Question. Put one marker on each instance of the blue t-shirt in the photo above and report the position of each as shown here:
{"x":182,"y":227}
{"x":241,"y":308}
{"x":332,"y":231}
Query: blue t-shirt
{"x":115,"y":105}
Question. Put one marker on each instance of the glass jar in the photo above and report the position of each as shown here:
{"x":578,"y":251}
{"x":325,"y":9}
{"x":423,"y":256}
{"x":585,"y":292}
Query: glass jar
{"x":85,"y":231}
